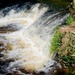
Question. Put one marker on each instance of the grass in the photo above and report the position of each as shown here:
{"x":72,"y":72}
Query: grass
{"x":69,"y":20}
{"x":56,"y":41}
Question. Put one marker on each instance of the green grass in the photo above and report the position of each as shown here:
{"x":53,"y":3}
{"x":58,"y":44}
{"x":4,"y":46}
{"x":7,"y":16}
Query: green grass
{"x":69,"y":20}
{"x":56,"y":41}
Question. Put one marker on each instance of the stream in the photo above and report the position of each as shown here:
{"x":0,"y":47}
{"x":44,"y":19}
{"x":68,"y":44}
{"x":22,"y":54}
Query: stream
{"x":25,"y":38}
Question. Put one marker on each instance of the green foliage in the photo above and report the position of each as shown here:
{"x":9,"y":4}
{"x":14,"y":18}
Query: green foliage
{"x":56,"y":3}
{"x":68,"y":59}
{"x":73,"y":51}
{"x":56,"y":41}
{"x":56,"y":28}
{"x":73,"y":7}
{"x":72,"y":4}
{"x":69,"y":20}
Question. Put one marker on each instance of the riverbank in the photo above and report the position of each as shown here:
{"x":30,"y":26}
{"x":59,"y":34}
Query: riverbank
{"x":63,"y":44}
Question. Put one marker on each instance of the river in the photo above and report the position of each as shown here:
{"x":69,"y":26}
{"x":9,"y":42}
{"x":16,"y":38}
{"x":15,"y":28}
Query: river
{"x":26,"y":32}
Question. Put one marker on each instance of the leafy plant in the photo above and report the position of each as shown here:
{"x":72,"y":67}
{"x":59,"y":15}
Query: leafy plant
{"x":68,"y":59}
{"x":69,"y":20}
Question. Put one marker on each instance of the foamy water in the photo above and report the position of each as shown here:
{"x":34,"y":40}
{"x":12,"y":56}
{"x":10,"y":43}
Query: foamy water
{"x":29,"y":46}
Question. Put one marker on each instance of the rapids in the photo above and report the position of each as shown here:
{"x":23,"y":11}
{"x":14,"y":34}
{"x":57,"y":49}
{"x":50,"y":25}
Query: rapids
{"x":26,"y":34}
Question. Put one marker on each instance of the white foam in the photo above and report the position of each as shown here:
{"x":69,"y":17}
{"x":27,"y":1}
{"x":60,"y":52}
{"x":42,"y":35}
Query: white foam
{"x":23,"y":17}
{"x":29,"y":47}
{"x":19,"y":46}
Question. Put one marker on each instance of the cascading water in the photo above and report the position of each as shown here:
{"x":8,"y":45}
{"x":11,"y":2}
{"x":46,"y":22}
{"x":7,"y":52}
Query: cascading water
{"x":26,"y":35}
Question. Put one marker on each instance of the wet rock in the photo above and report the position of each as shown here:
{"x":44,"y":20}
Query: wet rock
{"x":1,"y":55}
{"x":3,"y":67}
{"x":24,"y":71}
{"x":9,"y":28}
{"x":14,"y":73}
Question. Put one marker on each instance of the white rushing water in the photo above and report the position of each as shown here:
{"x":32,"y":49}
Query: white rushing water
{"x":28,"y":46}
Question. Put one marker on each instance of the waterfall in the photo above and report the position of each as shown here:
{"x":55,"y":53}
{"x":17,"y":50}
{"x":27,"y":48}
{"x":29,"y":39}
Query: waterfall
{"x":26,"y":33}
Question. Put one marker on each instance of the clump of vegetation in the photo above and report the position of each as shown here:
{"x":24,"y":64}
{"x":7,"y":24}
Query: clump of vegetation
{"x":72,"y":4}
{"x":69,"y":20}
{"x":68,"y":52}
{"x":68,"y":59}
{"x":56,"y":41}
{"x":63,"y":43}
